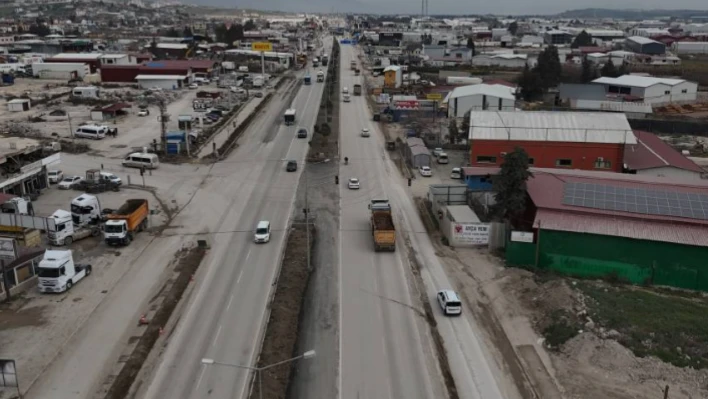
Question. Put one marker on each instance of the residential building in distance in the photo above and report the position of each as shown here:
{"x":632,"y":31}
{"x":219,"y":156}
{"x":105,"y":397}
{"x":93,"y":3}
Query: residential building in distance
{"x":556,"y":37}
{"x":568,"y":140}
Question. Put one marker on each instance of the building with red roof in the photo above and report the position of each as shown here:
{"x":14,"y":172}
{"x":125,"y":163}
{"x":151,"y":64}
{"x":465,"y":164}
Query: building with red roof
{"x":652,"y":156}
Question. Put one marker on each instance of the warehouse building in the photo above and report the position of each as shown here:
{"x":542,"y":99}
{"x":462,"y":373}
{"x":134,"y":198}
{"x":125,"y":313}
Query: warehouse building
{"x":682,"y":48}
{"x":165,"y":82}
{"x":128,"y":73}
{"x":464,"y":99}
{"x":93,"y":60}
{"x":567,"y":140}
{"x":652,"y":156}
{"x":644,"y":45}
{"x":649,"y":89}
{"x":417,"y":153}
{"x":638,"y":229}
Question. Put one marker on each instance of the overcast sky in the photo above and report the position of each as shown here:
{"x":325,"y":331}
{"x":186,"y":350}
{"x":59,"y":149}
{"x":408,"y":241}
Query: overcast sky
{"x":509,"y":7}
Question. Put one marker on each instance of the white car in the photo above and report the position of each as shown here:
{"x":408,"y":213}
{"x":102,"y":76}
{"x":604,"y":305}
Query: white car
{"x":353,"y":183}
{"x":449,"y":302}
{"x":425,"y":171}
{"x":68,"y":181}
{"x":365,"y":132}
{"x":456,"y":173}
{"x":55,"y":176}
{"x":193,"y":86}
{"x":143,"y":112}
{"x":237,"y":90}
{"x":437,"y":151}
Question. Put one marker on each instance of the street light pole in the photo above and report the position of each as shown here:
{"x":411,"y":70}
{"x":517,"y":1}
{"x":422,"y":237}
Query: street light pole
{"x":307,"y":355}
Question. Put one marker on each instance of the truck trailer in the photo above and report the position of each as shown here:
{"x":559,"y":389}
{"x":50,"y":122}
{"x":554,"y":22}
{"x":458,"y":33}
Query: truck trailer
{"x":382,"y":228}
{"x":66,"y":232}
{"x":126,"y":221}
{"x":290,"y":116}
{"x":357,"y":89}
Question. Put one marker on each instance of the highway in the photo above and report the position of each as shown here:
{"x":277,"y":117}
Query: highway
{"x":385,"y":348}
{"x":225,"y":317}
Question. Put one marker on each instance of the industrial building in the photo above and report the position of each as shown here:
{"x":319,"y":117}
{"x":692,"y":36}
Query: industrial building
{"x":567,"y":140}
{"x":652,"y":156}
{"x":464,"y":99}
{"x":682,"y":48}
{"x":644,"y":45}
{"x":638,"y":229}
{"x":128,"y":73}
{"x":165,"y":82}
{"x":24,"y":164}
{"x":555,"y":37}
{"x":63,"y":70}
{"x":649,"y":89}
{"x":93,"y":60}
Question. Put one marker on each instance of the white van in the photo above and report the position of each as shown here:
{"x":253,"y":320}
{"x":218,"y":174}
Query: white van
{"x":449,"y":303}
{"x":456,"y":173}
{"x":108,"y":176}
{"x":345,"y":90}
{"x":262,"y":232}
{"x":142,"y":160}
{"x":94,"y":132}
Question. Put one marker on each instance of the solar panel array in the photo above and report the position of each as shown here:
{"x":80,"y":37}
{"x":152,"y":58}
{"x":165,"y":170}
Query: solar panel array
{"x":636,"y":200}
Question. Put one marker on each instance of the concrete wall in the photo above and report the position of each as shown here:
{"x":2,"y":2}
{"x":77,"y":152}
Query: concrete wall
{"x":671,"y":172}
{"x":459,"y":106}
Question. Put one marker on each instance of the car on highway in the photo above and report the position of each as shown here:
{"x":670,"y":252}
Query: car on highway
{"x":143,"y":112}
{"x":437,"y":151}
{"x":258,"y":94}
{"x":291,"y":166}
{"x":353,"y":183}
{"x":262,"y":234}
{"x":217,"y":111}
{"x":425,"y":171}
{"x":193,"y":86}
{"x":212,"y":117}
{"x":68,"y":181}
{"x":237,"y":90}
{"x":345,"y":90}
{"x":456,"y":173}
{"x":449,"y":303}
{"x":55,"y":176}
{"x":365,"y":132}
{"x":302,"y":133}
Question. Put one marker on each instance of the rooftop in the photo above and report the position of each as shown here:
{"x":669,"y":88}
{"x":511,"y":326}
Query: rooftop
{"x":16,"y":145}
{"x":652,"y":152}
{"x":160,"y":77}
{"x":579,"y":127}
{"x":499,"y":91}
{"x":77,"y":56}
{"x":642,"y":40}
{"x":638,"y":81}
{"x":173,"y":46}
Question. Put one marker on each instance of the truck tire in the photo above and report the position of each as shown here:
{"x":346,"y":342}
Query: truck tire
{"x":69,"y":284}
{"x":144,"y":224}
{"x":88,"y":270}
{"x":95,"y":233}
{"x":68,"y":240}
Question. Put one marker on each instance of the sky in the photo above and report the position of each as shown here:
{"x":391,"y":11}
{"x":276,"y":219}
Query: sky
{"x":502,"y":7}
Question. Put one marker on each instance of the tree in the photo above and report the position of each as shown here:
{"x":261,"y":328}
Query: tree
{"x":228,"y":35}
{"x":172,"y":32}
{"x":513,"y":28}
{"x":549,"y":67}
{"x":187,"y":32}
{"x":530,"y":86}
{"x":39,"y":30}
{"x":582,"y":40}
{"x":623,"y":69}
{"x":465,"y":130}
{"x":609,"y":69}
{"x":453,"y":130}
{"x":470,"y":45}
{"x":249,"y":25}
{"x":589,"y":72}
{"x":510,"y":184}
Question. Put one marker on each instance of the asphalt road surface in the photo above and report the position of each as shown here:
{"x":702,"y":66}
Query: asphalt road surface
{"x":226,"y":315}
{"x":385,"y":347}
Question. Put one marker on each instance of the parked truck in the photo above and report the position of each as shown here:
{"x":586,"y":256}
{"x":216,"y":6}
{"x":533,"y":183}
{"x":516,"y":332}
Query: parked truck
{"x":17,"y":206}
{"x":308,"y":79}
{"x":66,"y":232}
{"x":126,"y":221}
{"x":357,"y":89}
{"x":320,"y":76}
{"x":382,"y":227}
{"x":58,"y":273}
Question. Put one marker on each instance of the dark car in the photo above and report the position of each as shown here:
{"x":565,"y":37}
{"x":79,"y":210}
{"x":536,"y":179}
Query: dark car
{"x":258,"y":94}
{"x":291,"y":166}
{"x":216,"y":111}
{"x":213,"y":117}
{"x":302,"y":133}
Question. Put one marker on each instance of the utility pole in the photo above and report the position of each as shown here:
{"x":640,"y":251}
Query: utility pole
{"x":307,"y":219}
{"x":164,"y":117}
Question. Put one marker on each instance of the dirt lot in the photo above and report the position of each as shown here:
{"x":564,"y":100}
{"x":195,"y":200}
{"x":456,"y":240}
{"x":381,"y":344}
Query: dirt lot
{"x":281,"y":333}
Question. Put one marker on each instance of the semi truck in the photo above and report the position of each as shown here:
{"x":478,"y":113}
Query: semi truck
{"x":66,"y":232}
{"x":325,"y":60}
{"x":290,"y":116}
{"x":320,"y":76}
{"x":85,"y":209}
{"x":125,"y":222}
{"x":308,"y":79}
{"x":357,"y":89}
{"x":346,"y":98}
{"x":58,"y":273}
{"x":382,"y":227}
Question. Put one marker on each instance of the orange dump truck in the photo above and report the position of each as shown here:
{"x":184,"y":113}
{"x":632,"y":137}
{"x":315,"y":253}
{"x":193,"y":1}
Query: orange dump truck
{"x":130,"y":218}
{"x":382,"y":227}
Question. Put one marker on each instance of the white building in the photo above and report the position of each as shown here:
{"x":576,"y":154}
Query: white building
{"x":650,"y":89}
{"x":696,"y":29}
{"x":502,"y":60}
{"x":649,"y":32}
{"x":166,"y":82}
{"x":117,"y":59}
{"x":690,"y":48}
{"x":18,"y":105}
{"x":479,"y":97}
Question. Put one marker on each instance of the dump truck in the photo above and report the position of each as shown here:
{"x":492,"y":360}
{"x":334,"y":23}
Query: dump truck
{"x":130,"y":218}
{"x":357,"y":90}
{"x":58,"y":273}
{"x":382,"y":227}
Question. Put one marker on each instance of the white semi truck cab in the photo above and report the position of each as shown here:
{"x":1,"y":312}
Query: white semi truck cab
{"x":85,"y":209}
{"x":65,"y":232}
{"x":58,"y":273}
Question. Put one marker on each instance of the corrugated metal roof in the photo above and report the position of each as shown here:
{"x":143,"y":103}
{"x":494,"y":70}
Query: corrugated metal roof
{"x":652,"y":152}
{"x":418,"y":150}
{"x":160,"y":77}
{"x":637,"y":81}
{"x":498,"y":91}
{"x":642,"y":40}
{"x":76,"y":56}
{"x":578,"y":127}
{"x":652,"y":230}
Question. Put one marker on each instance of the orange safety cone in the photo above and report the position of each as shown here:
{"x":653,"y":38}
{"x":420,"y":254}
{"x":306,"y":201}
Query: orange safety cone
{"x":143,"y":320}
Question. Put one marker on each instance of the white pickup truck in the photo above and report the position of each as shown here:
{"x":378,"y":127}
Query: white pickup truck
{"x":58,"y":273}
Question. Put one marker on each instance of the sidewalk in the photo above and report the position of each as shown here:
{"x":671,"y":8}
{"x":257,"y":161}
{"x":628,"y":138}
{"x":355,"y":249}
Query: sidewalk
{"x":222,"y":135}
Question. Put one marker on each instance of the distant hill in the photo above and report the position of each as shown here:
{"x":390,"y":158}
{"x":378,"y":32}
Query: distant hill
{"x":630,"y":14}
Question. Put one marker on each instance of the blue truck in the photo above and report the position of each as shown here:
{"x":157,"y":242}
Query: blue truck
{"x":308,"y":79}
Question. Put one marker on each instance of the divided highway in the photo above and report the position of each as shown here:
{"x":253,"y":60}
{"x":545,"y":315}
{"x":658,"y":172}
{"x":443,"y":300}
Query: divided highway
{"x":225,"y":317}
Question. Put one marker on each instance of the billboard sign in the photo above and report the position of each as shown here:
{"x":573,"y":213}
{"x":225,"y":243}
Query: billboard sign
{"x":261,"y":46}
{"x":470,"y":233}
{"x":7,"y":248}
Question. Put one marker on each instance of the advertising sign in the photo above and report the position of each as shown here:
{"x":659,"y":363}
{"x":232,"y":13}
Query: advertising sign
{"x":470,"y":233}
{"x":434,"y":96}
{"x":7,"y":248}
{"x":406,"y":104}
{"x":261,"y":46}
{"x":522,"y":236}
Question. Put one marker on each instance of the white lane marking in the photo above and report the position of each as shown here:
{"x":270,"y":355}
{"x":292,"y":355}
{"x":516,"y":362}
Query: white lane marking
{"x":216,"y":337}
{"x":201,"y":375}
{"x":239,"y":276}
{"x":293,"y":139}
{"x":229,"y":304}
{"x":248,"y":254}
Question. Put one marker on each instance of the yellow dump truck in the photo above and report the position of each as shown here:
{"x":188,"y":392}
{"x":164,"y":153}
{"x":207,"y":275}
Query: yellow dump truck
{"x":382,"y":227}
